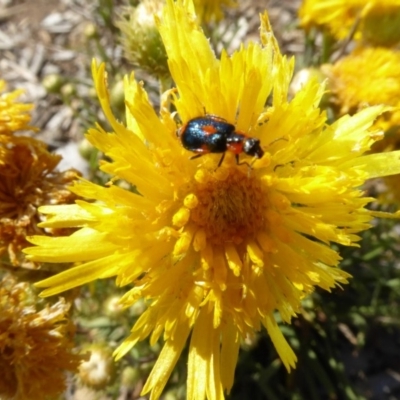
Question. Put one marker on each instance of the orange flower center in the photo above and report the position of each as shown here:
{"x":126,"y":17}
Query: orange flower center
{"x":231,"y":205}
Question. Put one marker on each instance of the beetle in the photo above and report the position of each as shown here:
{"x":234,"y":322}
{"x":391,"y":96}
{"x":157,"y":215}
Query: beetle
{"x":213,"y":134}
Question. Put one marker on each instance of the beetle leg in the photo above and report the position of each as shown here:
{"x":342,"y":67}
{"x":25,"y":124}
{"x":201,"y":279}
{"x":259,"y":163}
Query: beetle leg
{"x":220,"y":161}
{"x":250,"y":166}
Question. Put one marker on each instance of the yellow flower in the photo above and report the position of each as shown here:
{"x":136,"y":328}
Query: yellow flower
{"x":28,"y":179}
{"x":13,"y":116}
{"x":367,"y":76}
{"x":36,"y":347}
{"x":217,"y":251}
{"x":211,"y":10}
{"x":370,"y":76}
{"x":377,"y":21}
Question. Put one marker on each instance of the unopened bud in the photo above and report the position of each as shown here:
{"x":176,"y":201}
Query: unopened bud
{"x":99,"y":370}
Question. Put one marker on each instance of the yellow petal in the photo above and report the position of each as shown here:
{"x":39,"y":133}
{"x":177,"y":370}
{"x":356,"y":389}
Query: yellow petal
{"x":285,"y":352}
{"x":85,"y":244}
{"x":166,"y":362}
{"x":84,"y":273}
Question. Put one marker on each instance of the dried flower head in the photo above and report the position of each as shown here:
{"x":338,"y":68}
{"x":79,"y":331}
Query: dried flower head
{"x":28,"y":180}
{"x":36,"y":347}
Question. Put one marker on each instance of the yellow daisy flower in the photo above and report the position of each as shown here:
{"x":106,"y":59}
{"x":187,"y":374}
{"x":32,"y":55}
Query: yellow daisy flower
{"x":216,"y":251}
{"x":13,"y":116}
{"x":378,"y":21}
{"x":367,"y":76}
{"x":36,"y":347}
{"x":211,"y":10}
{"x":370,"y":76}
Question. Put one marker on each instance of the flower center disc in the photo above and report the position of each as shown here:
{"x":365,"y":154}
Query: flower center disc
{"x":231,"y":206}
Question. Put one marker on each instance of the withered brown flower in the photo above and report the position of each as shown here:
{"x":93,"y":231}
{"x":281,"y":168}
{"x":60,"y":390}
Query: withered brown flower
{"x":36,"y":347}
{"x":28,"y":180}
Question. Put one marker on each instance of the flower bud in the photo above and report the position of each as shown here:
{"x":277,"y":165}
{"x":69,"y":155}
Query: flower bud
{"x":141,"y":40}
{"x":99,"y":370}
